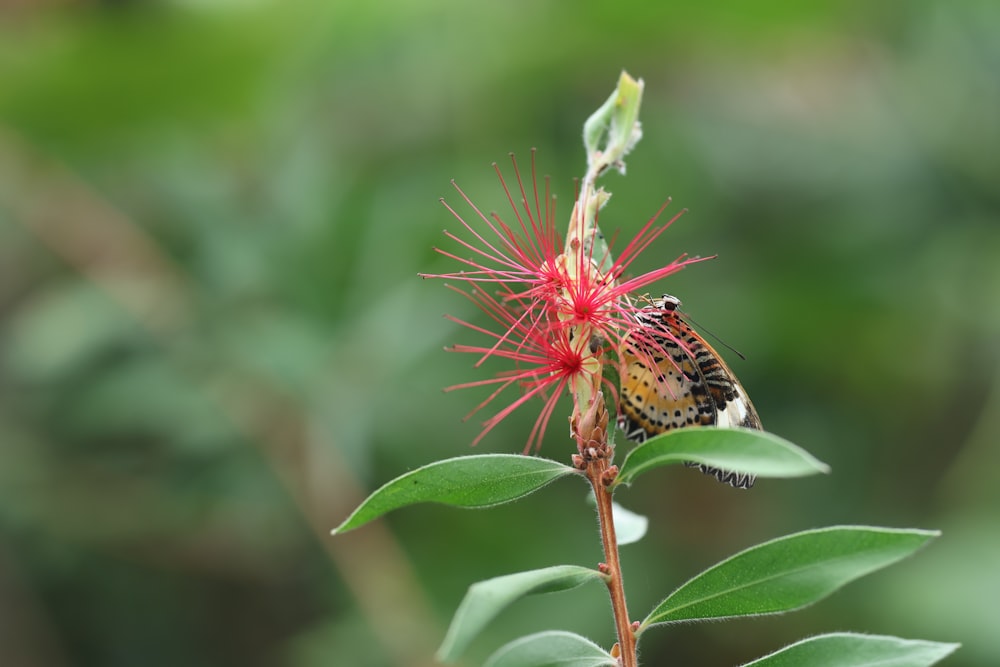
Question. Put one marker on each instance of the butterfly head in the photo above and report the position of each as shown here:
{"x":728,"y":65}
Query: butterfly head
{"x":667,"y":303}
{"x":652,"y":314}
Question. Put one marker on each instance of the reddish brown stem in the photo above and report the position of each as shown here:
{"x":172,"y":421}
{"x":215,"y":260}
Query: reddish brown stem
{"x":596,"y":473}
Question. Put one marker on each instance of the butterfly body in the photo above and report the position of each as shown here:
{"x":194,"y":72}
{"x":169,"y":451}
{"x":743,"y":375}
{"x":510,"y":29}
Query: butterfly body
{"x":672,"y":378}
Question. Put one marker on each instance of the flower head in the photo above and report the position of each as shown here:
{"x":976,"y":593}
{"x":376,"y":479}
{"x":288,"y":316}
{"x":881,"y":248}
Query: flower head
{"x":546,"y":360}
{"x":557,"y":311}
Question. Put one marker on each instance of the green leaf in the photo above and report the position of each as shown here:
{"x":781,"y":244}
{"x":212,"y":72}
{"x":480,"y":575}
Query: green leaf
{"x":744,"y":450}
{"x":787,"y":573}
{"x":845,"y":649}
{"x":596,"y":126}
{"x":554,"y":648}
{"x":486,"y":599}
{"x":468,"y":481}
{"x":616,"y":123}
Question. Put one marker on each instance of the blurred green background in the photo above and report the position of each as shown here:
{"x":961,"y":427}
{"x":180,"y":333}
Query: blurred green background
{"x":213,"y":340}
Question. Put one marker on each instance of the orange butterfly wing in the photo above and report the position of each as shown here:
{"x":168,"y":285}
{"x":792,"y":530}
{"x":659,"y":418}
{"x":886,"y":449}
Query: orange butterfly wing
{"x":678,"y":380}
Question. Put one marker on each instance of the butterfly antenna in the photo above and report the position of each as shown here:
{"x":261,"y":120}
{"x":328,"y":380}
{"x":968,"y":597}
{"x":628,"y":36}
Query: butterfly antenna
{"x":719,"y":340}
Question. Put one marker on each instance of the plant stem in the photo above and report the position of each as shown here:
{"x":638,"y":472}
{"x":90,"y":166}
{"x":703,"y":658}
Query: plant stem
{"x":596,"y":470}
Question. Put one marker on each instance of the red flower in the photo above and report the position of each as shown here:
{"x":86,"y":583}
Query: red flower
{"x":557,"y":311}
{"x":547,"y":361}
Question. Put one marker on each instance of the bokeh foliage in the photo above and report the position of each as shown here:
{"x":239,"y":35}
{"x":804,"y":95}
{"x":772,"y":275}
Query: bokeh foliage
{"x":213,"y":341}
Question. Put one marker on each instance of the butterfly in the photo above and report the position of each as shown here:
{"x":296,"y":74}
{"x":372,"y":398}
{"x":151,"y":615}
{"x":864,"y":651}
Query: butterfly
{"x":671,"y":378}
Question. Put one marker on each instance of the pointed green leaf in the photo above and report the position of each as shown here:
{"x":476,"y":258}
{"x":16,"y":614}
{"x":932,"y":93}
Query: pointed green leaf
{"x":553,"y":648}
{"x":845,"y":649}
{"x":613,"y":130}
{"x":486,"y":599}
{"x":744,"y":450}
{"x":468,"y":481}
{"x":787,"y":573}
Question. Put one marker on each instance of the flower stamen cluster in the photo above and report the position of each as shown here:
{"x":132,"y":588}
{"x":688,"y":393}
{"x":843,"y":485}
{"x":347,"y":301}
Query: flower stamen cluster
{"x":555,"y":311}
